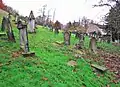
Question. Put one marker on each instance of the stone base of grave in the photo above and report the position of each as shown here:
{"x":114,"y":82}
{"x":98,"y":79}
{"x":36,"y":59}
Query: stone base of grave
{"x":31,"y":32}
{"x":28,"y":54}
{"x":101,"y":68}
{"x":2,"y":34}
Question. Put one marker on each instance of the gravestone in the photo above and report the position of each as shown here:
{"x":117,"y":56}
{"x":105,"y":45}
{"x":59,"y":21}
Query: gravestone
{"x":57,"y":27}
{"x":2,"y":33}
{"x":24,"y":44}
{"x":10,"y":33}
{"x":6,"y":26}
{"x":3,"y":24}
{"x":81,"y":39}
{"x":67,"y":38}
{"x":31,"y":22}
{"x":93,"y":32}
{"x":93,"y":44}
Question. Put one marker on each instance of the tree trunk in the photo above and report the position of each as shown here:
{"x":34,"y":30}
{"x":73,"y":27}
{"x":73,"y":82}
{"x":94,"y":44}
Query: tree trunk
{"x":93,"y":44}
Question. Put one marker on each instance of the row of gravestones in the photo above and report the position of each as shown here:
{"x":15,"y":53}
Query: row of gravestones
{"x":23,"y":33}
{"x":80,"y":45}
{"x":94,"y":36}
{"x":24,"y":44}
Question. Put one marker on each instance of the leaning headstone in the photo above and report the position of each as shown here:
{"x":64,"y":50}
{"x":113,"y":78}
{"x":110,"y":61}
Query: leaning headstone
{"x":8,"y":29}
{"x":67,"y":38}
{"x":31,"y":22}
{"x":24,"y":44}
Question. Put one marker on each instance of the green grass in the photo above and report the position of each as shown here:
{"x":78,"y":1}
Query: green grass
{"x":108,"y":47}
{"x":49,"y":67}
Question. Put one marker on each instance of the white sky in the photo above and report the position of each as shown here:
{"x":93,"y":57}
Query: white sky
{"x":66,"y":10}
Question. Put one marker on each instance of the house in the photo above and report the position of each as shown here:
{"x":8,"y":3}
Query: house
{"x":94,"y":28}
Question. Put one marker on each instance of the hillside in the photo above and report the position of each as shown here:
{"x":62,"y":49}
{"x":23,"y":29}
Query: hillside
{"x":49,"y":67}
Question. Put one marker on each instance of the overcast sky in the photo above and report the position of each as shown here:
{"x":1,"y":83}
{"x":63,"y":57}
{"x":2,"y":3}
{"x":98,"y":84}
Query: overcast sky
{"x":66,"y":10}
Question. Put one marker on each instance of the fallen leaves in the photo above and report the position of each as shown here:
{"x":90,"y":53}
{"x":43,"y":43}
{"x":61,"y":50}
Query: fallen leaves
{"x":16,"y":54}
{"x":112,"y":62}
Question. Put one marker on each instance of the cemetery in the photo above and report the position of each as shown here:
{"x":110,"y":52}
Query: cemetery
{"x":41,"y":52}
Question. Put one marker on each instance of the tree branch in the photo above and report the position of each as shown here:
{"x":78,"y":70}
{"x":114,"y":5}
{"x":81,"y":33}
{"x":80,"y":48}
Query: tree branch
{"x":100,"y":5}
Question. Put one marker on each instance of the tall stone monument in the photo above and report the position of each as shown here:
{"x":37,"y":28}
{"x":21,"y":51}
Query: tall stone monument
{"x":31,"y":23}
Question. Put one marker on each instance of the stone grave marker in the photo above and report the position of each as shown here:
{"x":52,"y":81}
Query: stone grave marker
{"x":6,"y":26}
{"x":67,"y":38}
{"x":31,"y":23}
{"x":24,"y":43}
{"x":93,"y":31}
{"x":2,"y":33}
{"x":3,"y":24}
{"x":81,"y":39}
{"x":9,"y":30}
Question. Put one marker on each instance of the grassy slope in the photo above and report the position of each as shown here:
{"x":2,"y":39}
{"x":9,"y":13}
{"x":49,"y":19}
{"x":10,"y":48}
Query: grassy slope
{"x":49,"y":67}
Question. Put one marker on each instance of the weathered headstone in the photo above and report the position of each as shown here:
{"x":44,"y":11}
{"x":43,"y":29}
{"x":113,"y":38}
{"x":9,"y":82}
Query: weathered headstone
{"x":57,"y":26}
{"x":93,"y":44}
{"x":24,"y":44}
{"x":10,"y":31}
{"x":81,"y":41}
{"x":67,"y":38}
{"x":93,"y":31}
{"x":31,"y":22}
{"x":6,"y":26}
{"x":22,"y":35}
